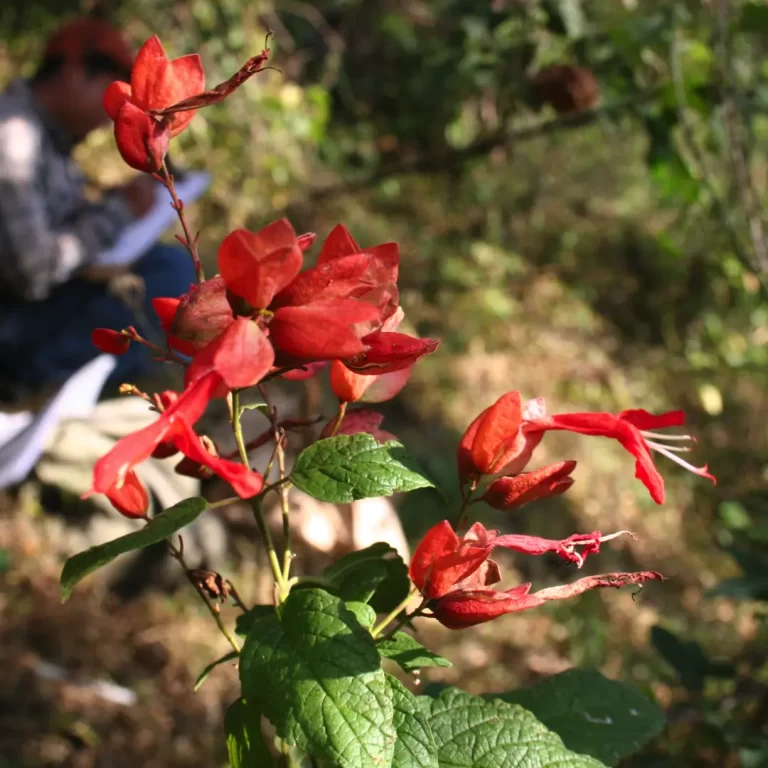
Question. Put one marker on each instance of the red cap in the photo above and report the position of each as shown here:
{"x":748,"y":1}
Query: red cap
{"x":87,"y":34}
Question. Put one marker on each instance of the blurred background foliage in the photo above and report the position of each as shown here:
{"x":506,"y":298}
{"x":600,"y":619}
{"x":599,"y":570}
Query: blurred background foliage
{"x":579,"y":193}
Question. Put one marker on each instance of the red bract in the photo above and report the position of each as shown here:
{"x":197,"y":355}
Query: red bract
{"x":389,"y":352}
{"x":111,"y":470}
{"x":131,"y":498}
{"x":257,"y":265}
{"x":455,"y":573}
{"x":514,"y":492}
{"x":376,"y":385}
{"x":631,"y":429}
{"x":241,"y":356}
{"x":461,"y":609}
{"x":495,"y":442}
{"x":157,"y":83}
{"x":198,"y":317}
{"x":109,"y":341}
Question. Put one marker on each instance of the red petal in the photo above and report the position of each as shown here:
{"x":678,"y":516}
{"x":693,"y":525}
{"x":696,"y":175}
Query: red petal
{"x":389,"y":352}
{"x":111,"y":470}
{"x":131,"y":499}
{"x":189,"y":79}
{"x":337,"y":279}
{"x":575,"y":548}
{"x":109,"y":341}
{"x":608,"y":425}
{"x":321,"y":331}
{"x":151,"y":76}
{"x":141,"y":140}
{"x":643,"y":420}
{"x":244,"y":481}
{"x":241,"y":356}
{"x":514,"y":492}
{"x":256,"y":265}
{"x":115,"y":95}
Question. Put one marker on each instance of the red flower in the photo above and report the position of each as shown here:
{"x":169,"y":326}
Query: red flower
{"x":157,"y":82}
{"x":131,"y":498}
{"x":109,"y":341}
{"x":631,"y":429}
{"x":111,"y":470}
{"x":495,"y":442}
{"x":244,"y":481}
{"x":514,"y":492}
{"x":456,"y":573}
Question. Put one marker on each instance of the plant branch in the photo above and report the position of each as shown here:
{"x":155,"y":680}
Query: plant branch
{"x":392,"y":615}
{"x":178,"y":554}
{"x":189,"y":242}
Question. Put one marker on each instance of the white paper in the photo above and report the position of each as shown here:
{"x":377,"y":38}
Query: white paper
{"x":23,"y":435}
{"x":139,"y":237}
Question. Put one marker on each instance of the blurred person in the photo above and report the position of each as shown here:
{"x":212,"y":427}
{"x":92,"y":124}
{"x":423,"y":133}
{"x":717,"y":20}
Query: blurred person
{"x":52,"y":290}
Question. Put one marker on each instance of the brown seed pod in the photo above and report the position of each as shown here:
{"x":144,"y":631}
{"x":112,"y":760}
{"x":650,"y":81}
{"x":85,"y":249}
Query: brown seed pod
{"x":566,"y":88}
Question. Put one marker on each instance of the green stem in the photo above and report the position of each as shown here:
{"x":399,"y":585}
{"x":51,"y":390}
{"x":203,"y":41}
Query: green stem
{"x":274,"y":563}
{"x":237,"y":427}
{"x":339,"y":417}
{"x":392,"y":615}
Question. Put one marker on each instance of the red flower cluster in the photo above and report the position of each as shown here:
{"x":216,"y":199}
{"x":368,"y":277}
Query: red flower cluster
{"x":501,"y":441}
{"x":456,"y":575}
{"x":263,"y":315}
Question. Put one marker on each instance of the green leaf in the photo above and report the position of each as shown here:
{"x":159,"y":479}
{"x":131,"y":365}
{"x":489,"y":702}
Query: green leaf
{"x":409,"y":653}
{"x":158,"y":529}
{"x":471,"y":732}
{"x":364,"y":614}
{"x":203,"y":676}
{"x":318,"y":677}
{"x":376,"y":575}
{"x":592,"y":714}
{"x":245,"y":621}
{"x":415,"y":746}
{"x":245,"y":740}
{"x":346,"y":468}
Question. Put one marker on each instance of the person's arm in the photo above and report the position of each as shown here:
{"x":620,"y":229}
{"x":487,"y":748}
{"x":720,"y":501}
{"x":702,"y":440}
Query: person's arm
{"x":35,"y":257}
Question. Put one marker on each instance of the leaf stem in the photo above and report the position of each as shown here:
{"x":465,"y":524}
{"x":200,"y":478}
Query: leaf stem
{"x":393,"y":614}
{"x":237,"y":427}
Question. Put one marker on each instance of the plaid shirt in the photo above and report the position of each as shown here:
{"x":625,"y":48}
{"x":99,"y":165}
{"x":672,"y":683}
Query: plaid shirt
{"x":48,"y":229}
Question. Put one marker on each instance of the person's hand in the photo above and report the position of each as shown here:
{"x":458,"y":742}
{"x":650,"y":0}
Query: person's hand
{"x":139,"y":194}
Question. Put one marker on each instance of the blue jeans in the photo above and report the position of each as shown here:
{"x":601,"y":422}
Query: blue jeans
{"x":44,"y":342}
